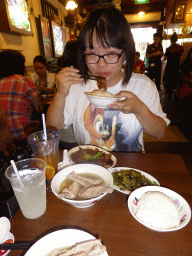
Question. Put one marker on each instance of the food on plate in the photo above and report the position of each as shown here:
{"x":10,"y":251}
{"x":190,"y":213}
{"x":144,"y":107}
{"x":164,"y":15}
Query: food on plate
{"x":102,"y":93}
{"x":101,"y":83}
{"x":92,"y":156}
{"x":86,"y":248}
{"x":157,"y":210}
{"x":83,"y":186}
{"x":130,"y":179}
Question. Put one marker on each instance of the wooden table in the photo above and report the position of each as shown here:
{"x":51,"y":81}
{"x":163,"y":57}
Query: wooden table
{"x":110,"y":218}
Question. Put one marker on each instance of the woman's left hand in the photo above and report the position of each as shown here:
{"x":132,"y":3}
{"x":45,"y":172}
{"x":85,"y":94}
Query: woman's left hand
{"x":130,"y":104}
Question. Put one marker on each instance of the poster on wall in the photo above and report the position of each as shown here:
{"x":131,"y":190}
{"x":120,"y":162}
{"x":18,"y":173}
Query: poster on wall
{"x":46,"y":38}
{"x":59,"y":39}
{"x":18,"y":16}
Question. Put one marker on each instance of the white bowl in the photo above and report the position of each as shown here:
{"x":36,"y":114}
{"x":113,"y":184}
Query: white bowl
{"x":101,"y":102}
{"x":59,"y":239}
{"x":84,"y":147}
{"x":4,"y":229}
{"x":8,"y":240}
{"x":81,"y":168}
{"x":182,"y":205}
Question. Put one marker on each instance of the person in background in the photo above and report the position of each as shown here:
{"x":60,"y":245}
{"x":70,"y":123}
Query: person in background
{"x":139,"y":65}
{"x":69,"y":57}
{"x":154,"y":53}
{"x":186,"y":66}
{"x":186,"y":77}
{"x":45,"y":81}
{"x":105,"y":43}
{"x":19,"y":96}
{"x":172,"y":69}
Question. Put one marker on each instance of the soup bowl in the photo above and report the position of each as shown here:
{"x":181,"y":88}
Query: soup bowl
{"x":81,"y":168}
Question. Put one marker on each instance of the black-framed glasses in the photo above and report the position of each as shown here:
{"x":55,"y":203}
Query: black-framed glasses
{"x":110,"y":58}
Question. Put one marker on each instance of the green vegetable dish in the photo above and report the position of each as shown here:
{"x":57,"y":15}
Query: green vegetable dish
{"x":130,"y":179}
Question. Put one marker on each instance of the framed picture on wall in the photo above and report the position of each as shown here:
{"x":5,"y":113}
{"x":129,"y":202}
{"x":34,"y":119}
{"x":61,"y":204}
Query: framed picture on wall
{"x":180,"y":12}
{"x":15,"y":18}
{"x":44,"y":36}
{"x":58,"y":33}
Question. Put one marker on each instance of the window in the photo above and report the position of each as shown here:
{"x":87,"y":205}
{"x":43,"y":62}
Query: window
{"x":48,"y":9}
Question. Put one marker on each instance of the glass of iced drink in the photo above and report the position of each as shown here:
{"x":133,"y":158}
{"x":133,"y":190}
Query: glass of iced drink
{"x":30,"y":190}
{"x":46,"y":149}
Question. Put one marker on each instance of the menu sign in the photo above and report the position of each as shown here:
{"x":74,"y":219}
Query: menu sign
{"x":18,"y":14}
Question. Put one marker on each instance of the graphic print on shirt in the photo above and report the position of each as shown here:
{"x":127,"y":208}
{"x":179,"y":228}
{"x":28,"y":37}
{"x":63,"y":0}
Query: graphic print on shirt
{"x":106,"y":130}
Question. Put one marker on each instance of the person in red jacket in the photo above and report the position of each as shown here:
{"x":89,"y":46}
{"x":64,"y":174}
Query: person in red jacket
{"x":139,"y":65}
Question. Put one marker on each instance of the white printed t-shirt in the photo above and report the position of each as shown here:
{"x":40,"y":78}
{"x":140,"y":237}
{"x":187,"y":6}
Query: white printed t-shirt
{"x":108,"y":128}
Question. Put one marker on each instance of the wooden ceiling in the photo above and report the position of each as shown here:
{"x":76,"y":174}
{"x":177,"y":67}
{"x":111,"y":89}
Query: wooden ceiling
{"x":127,"y":6}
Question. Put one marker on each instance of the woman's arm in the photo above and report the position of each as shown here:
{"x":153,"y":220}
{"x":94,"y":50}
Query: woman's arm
{"x":55,"y":114}
{"x":152,"y":124}
{"x":37,"y":104}
{"x":43,"y":88}
{"x":6,"y":143}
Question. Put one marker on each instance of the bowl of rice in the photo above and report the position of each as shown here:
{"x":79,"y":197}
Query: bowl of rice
{"x":101,"y":98}
{"x":158,"y":208}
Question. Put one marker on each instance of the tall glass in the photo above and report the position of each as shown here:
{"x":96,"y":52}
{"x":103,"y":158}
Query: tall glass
{"x":48,"y":150}
{"x":30,"y":190}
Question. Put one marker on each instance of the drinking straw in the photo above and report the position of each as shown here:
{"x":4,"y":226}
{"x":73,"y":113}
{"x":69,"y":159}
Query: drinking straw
{"x":17,"y":173}
{"x":44,"y":126}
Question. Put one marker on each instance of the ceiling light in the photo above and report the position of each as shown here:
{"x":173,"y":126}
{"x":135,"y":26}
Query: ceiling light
{"x":141,"y":14}
{"x":71,"y":5}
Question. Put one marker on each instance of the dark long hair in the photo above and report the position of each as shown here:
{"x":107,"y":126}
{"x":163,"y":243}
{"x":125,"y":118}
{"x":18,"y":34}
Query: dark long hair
{"x":69,"y":57}
{"x":11,"y":62}
{"x":112,"y":30}
{"x":41,"y":59}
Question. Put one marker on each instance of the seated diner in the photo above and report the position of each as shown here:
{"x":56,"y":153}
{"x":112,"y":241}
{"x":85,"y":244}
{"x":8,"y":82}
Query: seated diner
{"x":101,"y":53}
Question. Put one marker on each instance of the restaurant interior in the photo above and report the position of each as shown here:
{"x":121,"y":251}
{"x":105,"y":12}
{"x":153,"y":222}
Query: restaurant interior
{"x":43,"y":27}
{"x":51,"y":23}
{"x":48,"y":24}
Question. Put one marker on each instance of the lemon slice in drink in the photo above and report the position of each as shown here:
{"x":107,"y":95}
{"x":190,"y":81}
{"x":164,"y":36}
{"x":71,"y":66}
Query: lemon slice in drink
{"x":49,"y":172}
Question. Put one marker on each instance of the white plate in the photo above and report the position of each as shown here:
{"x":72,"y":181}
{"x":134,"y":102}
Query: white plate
{"x":59,"y":239}
{"x":113,"y":158}
{"x":182,"y":205}
{"x":148,"y":176}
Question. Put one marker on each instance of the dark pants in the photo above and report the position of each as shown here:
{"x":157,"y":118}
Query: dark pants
{"x":154,"y":73}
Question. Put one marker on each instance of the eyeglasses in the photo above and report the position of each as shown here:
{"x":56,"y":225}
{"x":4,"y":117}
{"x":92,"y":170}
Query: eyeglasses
{"x":111,"y":58}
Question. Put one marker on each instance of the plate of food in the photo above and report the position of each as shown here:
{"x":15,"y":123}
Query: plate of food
{"x":126,"y":180}
{"x":101,"y":98}
{"x":71,"y":241}
{"x":158,"y":208}
{"x":92,"y":155}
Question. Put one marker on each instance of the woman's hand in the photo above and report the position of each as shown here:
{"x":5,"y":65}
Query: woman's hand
{"x":130,"y":104}
{"x":152,"y":124}
{"x":66,"y":77}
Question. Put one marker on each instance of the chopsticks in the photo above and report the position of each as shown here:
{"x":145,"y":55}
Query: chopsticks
{"x":23,"y":245}
{"x":92,"y":77}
